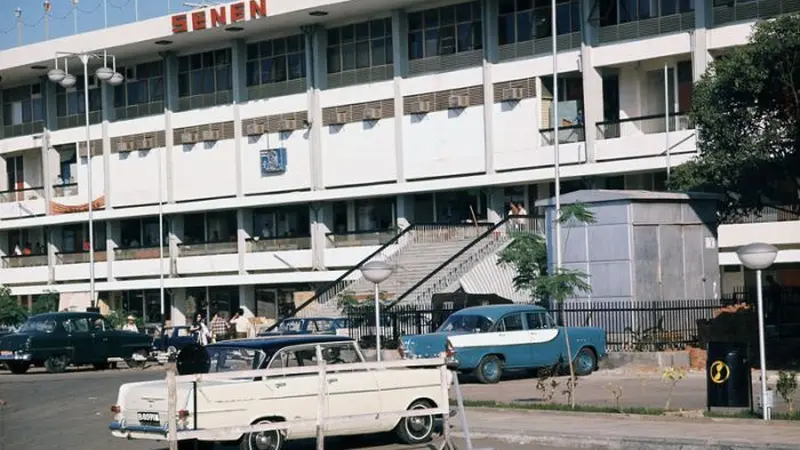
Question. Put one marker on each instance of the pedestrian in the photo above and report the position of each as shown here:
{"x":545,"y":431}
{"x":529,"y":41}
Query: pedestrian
{"x":130,"y":325}
{"x":200,"y":330}
{"x":219,"y":328}
{"x":241,"y":323}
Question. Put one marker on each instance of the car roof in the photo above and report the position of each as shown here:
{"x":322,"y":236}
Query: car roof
{"x":495,"y":312}
{"x":65,"y":315}
{"x":280,"y":341}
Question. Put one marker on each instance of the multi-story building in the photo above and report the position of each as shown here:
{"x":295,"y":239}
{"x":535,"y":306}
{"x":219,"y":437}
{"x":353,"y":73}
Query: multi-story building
{"x":297,"y":137}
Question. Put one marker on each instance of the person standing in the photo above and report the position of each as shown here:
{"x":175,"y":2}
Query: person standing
{"x":219,"y":328}
{"x":130,"y":325}
{"x":241,"y":323}
{"x":200,"y":330}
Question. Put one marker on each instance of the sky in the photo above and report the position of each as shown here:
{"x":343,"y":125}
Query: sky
{"x":90,"y":16}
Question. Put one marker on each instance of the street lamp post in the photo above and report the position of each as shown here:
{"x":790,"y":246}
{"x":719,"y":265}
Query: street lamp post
{"x":67,"y":80}
{"x":377,"y":272}
{"x":758,"y":256}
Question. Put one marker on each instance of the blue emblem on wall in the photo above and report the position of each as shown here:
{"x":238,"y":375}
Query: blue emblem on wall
{"x":273,"y":161}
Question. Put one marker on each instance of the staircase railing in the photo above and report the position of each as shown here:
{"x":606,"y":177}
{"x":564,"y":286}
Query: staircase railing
{"x":444,"y":273}
{"x":340,"y":284}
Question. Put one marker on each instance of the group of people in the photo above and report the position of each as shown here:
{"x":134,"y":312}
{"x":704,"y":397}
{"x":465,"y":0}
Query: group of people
{"x":220,"y":329}
{"x":29,"y":249}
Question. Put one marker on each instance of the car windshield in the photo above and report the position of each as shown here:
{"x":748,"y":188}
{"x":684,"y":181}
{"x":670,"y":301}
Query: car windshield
{"x":38,"y":325}
{"x":468,"y":323}
{"x":290,"y":325}
{"x":231,"y":359}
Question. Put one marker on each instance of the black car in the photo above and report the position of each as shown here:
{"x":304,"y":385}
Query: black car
{"x":57,"y":340}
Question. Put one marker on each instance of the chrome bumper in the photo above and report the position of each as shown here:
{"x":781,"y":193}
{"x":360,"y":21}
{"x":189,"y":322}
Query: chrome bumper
{"x":149,"y":429}
{"x":16,"y":357}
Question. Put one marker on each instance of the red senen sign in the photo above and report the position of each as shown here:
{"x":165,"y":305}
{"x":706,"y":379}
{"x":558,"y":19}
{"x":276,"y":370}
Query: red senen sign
{"x":219,"y":16}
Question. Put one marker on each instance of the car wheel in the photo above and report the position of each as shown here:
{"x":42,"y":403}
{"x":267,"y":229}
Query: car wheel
{"x":137,"y":360}
{"x":489,"y":370}
{"x":100,"y":365}
{"x":585,"y":361}
{"x":56,"y":363}
{"x":18,"y":367}
{"x":418,"y":429}
{"x":262,"y":440}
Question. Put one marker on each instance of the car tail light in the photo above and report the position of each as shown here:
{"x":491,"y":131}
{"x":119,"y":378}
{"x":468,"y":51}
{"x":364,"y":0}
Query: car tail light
{"x":449,"y":351}
{"x":116,"y":409}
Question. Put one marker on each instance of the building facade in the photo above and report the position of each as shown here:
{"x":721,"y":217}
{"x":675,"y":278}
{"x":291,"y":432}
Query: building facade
{"x":287,"y":140}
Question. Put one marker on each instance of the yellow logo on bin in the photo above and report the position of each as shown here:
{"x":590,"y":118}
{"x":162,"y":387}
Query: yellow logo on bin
{"x":719,"y":372}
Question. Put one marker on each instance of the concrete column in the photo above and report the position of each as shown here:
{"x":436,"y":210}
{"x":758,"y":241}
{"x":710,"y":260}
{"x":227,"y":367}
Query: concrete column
{"x":241,"y":237}
{"x":321,"y":216}
{"x":49,"y":101}
{"x":352,"y":219}
{"x":495,"y":210}
{"x":400,"y":64}
{"x":405,"y":211}
{"x":107,"y":99}
{"x":3,"y":180}
{"x":703,"y":20}
{"x":175,"y":238}
{"x":247,"y":299}
{"x":238,"y":65}
{"x":171,"y":105}
{"x":592,"y":79}
{"x":47,"y":176}
{"x":112,"y":237}
{"x":489,"y":9}
{"x":316,"y":79}
{"x":2,"y":132}
{"x":53,"y":242}
{"x":178,"y":306}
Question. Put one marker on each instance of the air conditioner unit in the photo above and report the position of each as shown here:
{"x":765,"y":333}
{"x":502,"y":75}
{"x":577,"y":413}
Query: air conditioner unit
{"x":188,"y":137}
{"x":420,"y":107}
{"x":458,"y":102}
{"x":145,"y":143}
{"x":512,"y":94}
{"x":254,"y":129}
{"x":372,"y":114}
{"x":340,"y":118}
{"x":287,"y":125}
{"x":124,"y":146}
{"x":211,"y":135}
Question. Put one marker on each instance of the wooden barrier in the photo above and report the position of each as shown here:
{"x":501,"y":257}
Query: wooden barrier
{"x":321,"y":421}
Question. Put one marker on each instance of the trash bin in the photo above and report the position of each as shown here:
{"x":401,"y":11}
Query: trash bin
{"x":728,"y":378}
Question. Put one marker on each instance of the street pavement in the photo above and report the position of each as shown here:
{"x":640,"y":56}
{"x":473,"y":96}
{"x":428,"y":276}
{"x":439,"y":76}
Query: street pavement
{"x":71,"y":411}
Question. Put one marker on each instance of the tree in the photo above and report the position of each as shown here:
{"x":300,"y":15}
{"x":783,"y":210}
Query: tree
{"x":747,"y":110}
{"x":47,"y":302}
{"x":527,"y":254}
{"x":11,"y":312}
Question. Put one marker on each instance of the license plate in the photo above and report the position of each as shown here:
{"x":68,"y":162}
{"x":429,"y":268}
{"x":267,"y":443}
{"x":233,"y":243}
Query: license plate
{"x":5,"y":353}
{"x":148,"y":417}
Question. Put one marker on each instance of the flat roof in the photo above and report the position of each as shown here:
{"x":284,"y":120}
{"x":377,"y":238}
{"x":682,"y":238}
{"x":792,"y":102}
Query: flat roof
{"x":613,"y":195}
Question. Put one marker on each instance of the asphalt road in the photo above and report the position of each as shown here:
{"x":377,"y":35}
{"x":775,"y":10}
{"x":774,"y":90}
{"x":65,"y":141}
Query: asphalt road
{"x":71,"y":411}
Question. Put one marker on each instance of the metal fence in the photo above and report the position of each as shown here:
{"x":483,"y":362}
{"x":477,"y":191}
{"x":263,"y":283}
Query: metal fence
{"x":629,"y":325}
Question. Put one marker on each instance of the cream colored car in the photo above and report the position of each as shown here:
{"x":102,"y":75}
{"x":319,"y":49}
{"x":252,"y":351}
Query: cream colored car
{"x":288,"y":394}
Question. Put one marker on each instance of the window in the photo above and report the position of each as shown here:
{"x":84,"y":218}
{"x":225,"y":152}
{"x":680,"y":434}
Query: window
{"x":276,"y":60}
{"x":22,"y":105}
{"x":358,"y":46}
{"x":288,"y":221}
{"x":340,"y":218}
{"x":204,"y":73}
{"x":80,"y":325}
{"x":144,"y":83}
{"x":525,"y":20}
{"x":71,"y":101}
{"x":233,"y":359}
{"x":375,"y":214}
{"x":511,"y":322}
{"x":445,"y":31}
{"x":468,"y":323}
{"x":538,"y":321}
{"x":294,"y":357}
{"x":344,"y":353}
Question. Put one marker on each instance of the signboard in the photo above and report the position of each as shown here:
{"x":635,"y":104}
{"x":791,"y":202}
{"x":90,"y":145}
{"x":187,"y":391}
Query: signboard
{"x":219,"y":16}
{"x":728,"y":379}
{"x":273,"y":161}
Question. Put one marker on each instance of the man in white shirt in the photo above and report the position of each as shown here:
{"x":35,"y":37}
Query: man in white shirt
{"x":131,"y":325}
{"x":241,"y":323}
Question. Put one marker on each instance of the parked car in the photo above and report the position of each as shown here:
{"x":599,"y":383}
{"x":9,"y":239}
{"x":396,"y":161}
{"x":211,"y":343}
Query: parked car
{"x":486,"y":340}
{"x":141,"y":409}
{"x":311,"y":325}
{"x":57,"y":340}
{"x":172,"y":340}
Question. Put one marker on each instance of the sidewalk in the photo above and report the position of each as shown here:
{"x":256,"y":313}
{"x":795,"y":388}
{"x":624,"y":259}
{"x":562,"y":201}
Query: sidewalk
{"x":579,"y":430}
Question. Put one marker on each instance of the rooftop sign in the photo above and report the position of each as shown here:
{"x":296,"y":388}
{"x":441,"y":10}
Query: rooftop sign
{"x":219,"y":16}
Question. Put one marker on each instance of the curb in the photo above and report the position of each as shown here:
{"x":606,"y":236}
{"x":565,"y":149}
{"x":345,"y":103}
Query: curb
{"x":618,"y":442}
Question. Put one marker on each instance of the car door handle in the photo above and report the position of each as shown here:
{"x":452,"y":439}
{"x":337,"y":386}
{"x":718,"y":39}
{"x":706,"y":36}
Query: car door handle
{"x":280,"y":384}
{"x":332,"y":380}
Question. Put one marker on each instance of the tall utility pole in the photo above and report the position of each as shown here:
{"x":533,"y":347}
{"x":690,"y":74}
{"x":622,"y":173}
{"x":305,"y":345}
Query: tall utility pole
{"x":75,"y":16}
{"x":18,"y":14}
{"x":46,"y":19}
{"x":556,"y":137}
{"x":105,"y":13}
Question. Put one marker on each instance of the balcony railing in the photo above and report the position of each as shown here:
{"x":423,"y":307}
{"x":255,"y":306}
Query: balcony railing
{"x":768,"y":214}
{"x":738,"y":11}
{"x":65,"y":190}
{"x":208,"y":248}
{"x":274,"y":244}
{"x":566,"y":135}
{"x":644,"y":28}
{"x":13,"y":261}
{"x":653,"y":124}
{"x":21,"y":195}
{"x":360,"y":238}
{"x":81,"y":257}
{"x":129,"y":253}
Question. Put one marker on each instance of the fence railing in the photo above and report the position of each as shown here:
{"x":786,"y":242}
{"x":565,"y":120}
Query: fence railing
{"x":629,"y":326}
{"x":781,"y":307}
{"x":13,"y":261}
{"x":652,"y":124}
{"x":274,"y":244}
{"x":769,"y":213}
{"x":130,"y":253}
{"x":208,"y":248}
{"x":566,"y":135}
{"x":21,"y":195}
{"x":360,"y":238}
{"x":81,"y":257}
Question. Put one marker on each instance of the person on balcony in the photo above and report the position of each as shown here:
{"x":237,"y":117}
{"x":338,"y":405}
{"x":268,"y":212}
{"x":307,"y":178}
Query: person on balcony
{"x":17,"y":250}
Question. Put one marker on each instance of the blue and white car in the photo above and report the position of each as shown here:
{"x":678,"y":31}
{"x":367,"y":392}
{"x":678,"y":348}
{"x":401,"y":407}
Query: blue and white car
{"x":486,"y":340}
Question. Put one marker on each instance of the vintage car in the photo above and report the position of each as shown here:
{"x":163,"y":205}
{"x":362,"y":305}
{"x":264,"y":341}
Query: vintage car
{"x":310,"y":325}
{"x":172,"y":340}
{"x":57,"y":340}
{"x":141,"y":409}
{"x":486,"y":340}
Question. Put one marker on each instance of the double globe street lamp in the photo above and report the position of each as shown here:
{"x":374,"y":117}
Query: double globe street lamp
{"x":67,"y":80}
